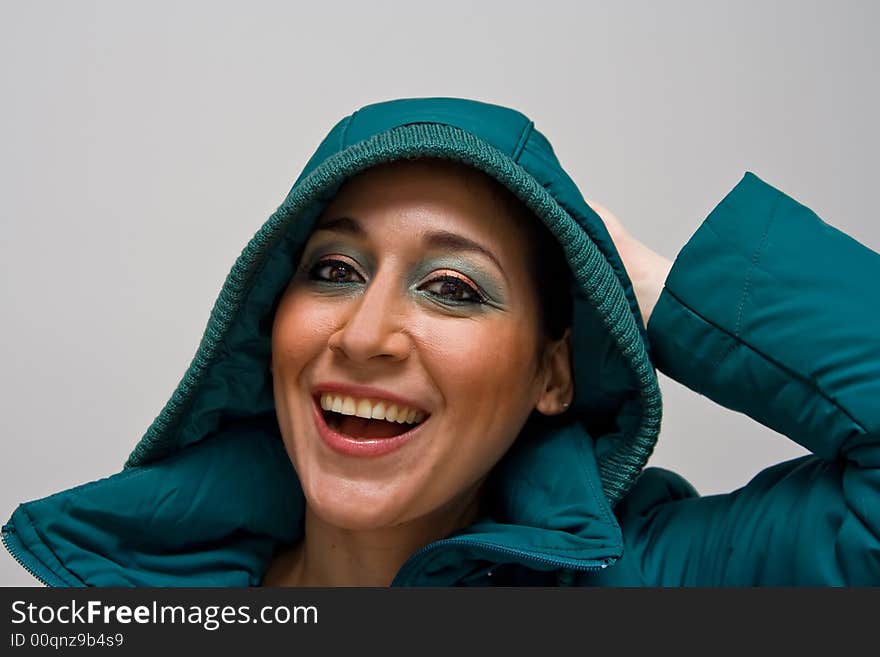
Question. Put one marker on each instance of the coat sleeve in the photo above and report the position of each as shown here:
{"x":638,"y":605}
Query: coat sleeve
{"x":771,"y":312}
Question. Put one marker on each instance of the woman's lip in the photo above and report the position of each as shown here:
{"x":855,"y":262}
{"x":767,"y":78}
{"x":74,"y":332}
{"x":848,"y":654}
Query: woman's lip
{"x":363,"y":447}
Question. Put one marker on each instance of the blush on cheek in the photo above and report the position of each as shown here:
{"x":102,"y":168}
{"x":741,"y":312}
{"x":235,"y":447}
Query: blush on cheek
{"x":494,"y":350}
{"x":478,"y":360}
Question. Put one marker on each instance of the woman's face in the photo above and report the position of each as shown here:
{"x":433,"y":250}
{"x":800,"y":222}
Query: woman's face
{"x":414,"y":283}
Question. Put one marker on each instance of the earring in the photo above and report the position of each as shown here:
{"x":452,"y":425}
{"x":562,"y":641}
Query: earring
{"x":564,"y":405}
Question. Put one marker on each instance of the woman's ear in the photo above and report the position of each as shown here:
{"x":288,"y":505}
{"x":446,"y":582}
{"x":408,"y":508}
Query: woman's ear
{"x":557,"y":391}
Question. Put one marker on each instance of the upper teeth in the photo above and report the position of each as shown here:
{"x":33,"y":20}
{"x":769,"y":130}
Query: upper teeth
{"x":377,"y":410}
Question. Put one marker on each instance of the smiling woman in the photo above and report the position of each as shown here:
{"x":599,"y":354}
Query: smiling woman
{"x":428,"y":299}
{"x":435,"y":365}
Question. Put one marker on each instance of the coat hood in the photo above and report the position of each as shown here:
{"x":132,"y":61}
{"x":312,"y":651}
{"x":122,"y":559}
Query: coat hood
{"x":208,"y":492}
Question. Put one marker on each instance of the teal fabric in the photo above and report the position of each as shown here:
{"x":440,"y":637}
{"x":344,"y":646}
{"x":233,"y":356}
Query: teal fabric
{"x":765,"y":312}
{"x":771,"y":312}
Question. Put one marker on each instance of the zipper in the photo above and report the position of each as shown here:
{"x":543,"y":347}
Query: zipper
{"x":8,"y":530}
{"x":521,"y":556}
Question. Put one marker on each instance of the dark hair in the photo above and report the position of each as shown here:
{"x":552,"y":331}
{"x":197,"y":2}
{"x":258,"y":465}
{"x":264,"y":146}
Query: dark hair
{"x":547,"y":264}
{"x":553,"y":279}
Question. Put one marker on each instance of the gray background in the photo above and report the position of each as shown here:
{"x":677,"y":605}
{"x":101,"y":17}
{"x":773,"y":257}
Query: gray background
{"x":142,"y":144}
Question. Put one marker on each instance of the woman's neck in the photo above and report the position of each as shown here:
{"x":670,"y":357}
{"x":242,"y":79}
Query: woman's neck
{"x":331,"y":556}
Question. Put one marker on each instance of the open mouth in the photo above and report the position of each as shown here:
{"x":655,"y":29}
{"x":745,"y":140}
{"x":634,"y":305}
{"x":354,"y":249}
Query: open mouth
{"x":357,"y":427}
{"x":360,"y":427}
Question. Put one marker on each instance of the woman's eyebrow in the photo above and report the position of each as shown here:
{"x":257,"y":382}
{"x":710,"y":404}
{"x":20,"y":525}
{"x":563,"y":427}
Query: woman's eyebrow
{"x":438,"y":239}
{"x":444,"y":239}
{"x":341,"y":225}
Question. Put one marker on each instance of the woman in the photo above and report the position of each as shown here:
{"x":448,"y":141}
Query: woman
{"x":447,"y":335}
{"x":434,"y":266}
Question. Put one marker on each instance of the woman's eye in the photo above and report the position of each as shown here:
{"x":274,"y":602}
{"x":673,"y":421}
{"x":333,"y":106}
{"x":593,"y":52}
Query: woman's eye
{"x":454,"y":289}
{"x":332,"y":271}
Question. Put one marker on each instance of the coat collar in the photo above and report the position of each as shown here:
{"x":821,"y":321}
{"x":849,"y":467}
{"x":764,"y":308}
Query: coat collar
{"x":213,"y":514}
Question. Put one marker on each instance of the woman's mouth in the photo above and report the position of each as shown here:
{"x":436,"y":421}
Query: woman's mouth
{"x":341,"y":424}
{"x":363,"y":428}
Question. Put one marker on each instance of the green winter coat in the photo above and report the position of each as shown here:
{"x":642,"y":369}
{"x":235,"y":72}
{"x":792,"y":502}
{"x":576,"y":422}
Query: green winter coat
{"x":767,"y":310}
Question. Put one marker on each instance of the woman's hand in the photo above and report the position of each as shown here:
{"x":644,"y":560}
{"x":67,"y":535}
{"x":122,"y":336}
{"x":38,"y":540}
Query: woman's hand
{"x":647,"y":269}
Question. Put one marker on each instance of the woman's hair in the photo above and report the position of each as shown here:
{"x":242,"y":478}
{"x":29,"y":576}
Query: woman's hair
{"x":552,"y":277}
{"x":547,"y":264}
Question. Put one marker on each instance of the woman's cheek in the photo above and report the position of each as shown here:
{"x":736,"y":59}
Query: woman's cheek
{"x":472,"y":358}
{"x":301,"y":321}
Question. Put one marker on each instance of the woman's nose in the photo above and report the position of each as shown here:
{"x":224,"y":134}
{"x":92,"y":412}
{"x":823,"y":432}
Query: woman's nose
{"x":374,"y":324}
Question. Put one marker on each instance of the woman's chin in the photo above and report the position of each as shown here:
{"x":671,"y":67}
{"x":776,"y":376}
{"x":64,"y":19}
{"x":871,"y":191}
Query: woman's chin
{"x":359,"y":510}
